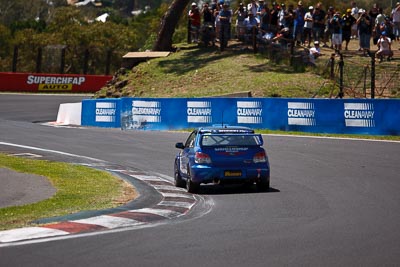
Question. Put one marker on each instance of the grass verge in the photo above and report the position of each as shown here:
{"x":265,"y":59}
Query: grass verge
{"x":78,"y":188}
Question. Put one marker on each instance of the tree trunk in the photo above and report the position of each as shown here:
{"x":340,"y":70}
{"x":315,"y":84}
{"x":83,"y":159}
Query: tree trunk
{"x":168,"y":24}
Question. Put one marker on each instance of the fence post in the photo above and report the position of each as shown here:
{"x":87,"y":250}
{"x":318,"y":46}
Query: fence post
{"x":254,"y":38}
{"x":39,"y":60}
{"x":15,"y":59}
{"x":189,"y":32}
{"x":341,"y":65}
{"x":62,"y":61}
{"x":372,"y":55}
{"x":332,"y":62}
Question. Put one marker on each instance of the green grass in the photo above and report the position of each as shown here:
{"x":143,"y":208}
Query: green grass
{"x":78,"y":188}
{"x":202,"y":72}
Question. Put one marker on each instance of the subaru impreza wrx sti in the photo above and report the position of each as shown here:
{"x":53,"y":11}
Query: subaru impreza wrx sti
{"x":222,"y":155}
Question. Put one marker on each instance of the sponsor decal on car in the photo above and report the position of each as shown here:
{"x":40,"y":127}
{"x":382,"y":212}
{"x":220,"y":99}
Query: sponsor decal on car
{"x":359,"y":115}
{"x":301,"y":113}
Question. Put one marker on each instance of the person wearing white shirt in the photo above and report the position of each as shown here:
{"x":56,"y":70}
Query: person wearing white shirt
{"x":385,"y":47}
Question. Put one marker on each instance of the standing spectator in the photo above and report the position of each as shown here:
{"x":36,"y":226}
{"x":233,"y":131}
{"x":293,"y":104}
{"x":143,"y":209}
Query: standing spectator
{"x":328,"y":27}
{"x":290,"y":18}
{"x":260,"y":8}
{"x":365,"y":23}
{"x":208,"y":16}
{"x":336,"y":26}
{"x":274,"y":22}
{"x":265,"y":20}
{"x":252,"y":7}
{"x":385,"y":49}
{"x":214,"y":6}
{"x":282,"y":17}
{"x":396,"y":21}
{"x":354,"y":13}
{"x":308,"y":25}
{"x":298,"y":29}
{"x":225,"y":21}
{"x":348,"y":22}
{"x":240,"y":17}
{"x":380,"y":18}
{"x":318,"y":22}
{"x":388,"y":27}
{"x":195,"y":22}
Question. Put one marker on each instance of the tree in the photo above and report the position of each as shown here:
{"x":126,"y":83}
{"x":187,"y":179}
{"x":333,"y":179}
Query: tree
{"x":168,"y":24}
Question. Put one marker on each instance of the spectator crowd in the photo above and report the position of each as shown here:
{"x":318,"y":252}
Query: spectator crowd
{"x":309,"y":26}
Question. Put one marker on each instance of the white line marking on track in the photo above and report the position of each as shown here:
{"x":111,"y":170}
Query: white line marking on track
{"x":49,"y":150}
{"x":161,"y":212}
{"x":176,"y":204}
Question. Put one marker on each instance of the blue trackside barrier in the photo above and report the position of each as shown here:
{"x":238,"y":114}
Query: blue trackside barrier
{"x":101,"y":113}
{"x":350,"y":116}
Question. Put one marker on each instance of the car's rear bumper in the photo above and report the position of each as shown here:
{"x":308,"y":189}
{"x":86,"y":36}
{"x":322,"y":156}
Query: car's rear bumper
{"x":206,"y":174}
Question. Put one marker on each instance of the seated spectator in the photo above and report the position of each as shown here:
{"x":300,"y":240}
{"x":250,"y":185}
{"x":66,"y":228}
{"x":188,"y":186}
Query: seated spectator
{"x":315,"y":52}
{"x":385,"y":47}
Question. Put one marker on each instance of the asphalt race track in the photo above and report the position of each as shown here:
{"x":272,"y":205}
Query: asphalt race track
{"x":333,"y":203}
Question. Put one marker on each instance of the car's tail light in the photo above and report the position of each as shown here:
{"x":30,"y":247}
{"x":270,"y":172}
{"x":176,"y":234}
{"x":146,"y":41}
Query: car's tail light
{"x":260,"y":157}
{"x":202,"y":158}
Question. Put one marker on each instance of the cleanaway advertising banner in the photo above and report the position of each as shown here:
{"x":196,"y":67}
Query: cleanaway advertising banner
{"x":353,"y":116}
{"x":101,"y":113}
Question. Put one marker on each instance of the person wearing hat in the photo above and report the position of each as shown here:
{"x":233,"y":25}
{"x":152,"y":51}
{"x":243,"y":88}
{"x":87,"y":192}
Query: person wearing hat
{"x":315,"y":52}
{"x":195,"y":22}
{"x":336,"y":27}
{"x":396,"y":21}
{"x":308,"y":25}
{"x":298,"y":26}
{"x":365,"y":25}
{"x":385,"y":47}
{"x":348,"y":21}
{"x":354,"y":13}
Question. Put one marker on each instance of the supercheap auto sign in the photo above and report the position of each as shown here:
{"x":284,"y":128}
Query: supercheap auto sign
{"x":25,"y":82}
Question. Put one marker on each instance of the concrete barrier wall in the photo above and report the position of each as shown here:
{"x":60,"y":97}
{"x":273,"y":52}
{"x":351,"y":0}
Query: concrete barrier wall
{"x":351,"y":116}
{"x":69,"y":114}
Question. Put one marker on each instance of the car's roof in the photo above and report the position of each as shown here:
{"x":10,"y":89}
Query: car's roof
{"x":226,"y":129}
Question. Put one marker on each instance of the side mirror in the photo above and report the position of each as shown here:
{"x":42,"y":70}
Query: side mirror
{"x":180,"y":145}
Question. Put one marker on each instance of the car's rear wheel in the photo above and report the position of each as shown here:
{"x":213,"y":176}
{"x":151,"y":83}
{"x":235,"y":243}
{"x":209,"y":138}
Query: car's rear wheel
{"x":263,"y":185}
{"x":192,"y":187}
{"x":179,"y":182}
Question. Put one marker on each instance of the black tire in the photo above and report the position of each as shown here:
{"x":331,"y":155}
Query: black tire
{"x":263,"y":186}
{"x":191,"y":186}
{"x":178,"y":181}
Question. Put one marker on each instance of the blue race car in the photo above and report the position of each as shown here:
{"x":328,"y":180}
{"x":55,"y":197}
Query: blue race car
{"x":222,"y":155}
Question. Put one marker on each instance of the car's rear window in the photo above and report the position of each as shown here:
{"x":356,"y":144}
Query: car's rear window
{"x":231,"y":140}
